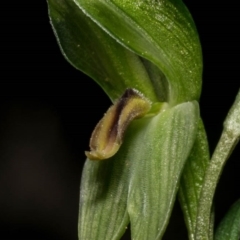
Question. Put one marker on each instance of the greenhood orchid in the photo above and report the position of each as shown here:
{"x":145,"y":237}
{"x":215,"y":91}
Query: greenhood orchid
{"x":151,"y":144}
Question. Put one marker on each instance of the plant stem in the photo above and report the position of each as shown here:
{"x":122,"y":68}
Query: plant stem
{"x":225,"y":146}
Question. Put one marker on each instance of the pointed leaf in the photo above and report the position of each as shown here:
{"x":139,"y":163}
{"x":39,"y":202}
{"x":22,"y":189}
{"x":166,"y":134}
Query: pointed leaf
{"x":158,"y":158}
{"x":93,"y":51}
{"x":192,"y":179}
{"x":229,"y":228}
{"x":160,"y":31}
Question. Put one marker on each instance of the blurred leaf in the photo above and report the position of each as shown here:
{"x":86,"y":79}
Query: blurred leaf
{"x":162,"y":32}
{"x":93,"y":51}
{"x":192,"y":179}
{"x":229,"y":228}
{"x":159,"y":154}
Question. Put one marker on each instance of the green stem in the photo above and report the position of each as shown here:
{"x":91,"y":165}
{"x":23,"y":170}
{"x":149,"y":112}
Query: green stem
{"x":220,"y":156}
{"x":225,"y":146}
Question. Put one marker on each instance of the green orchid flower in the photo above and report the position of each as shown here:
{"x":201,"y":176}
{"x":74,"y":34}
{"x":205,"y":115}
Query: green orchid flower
{"x":151,"y":143}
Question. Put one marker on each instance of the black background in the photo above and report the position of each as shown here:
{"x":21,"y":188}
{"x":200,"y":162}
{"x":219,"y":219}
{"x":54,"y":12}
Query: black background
{"x":47,"y":115}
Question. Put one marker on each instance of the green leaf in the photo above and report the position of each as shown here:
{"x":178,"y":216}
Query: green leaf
{"x":229,"y":228}
{"x":139,"y":182}
{"x":192,"y":179}
{"x":93,"y":51}
{"x":158,"y":156}
{"x":162,"y":32}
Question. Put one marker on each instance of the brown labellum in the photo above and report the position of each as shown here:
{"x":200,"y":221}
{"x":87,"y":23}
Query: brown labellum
{"x":107,"y":136}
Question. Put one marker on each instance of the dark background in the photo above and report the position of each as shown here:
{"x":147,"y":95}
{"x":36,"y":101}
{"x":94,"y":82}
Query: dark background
{"x":47,"y":115}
